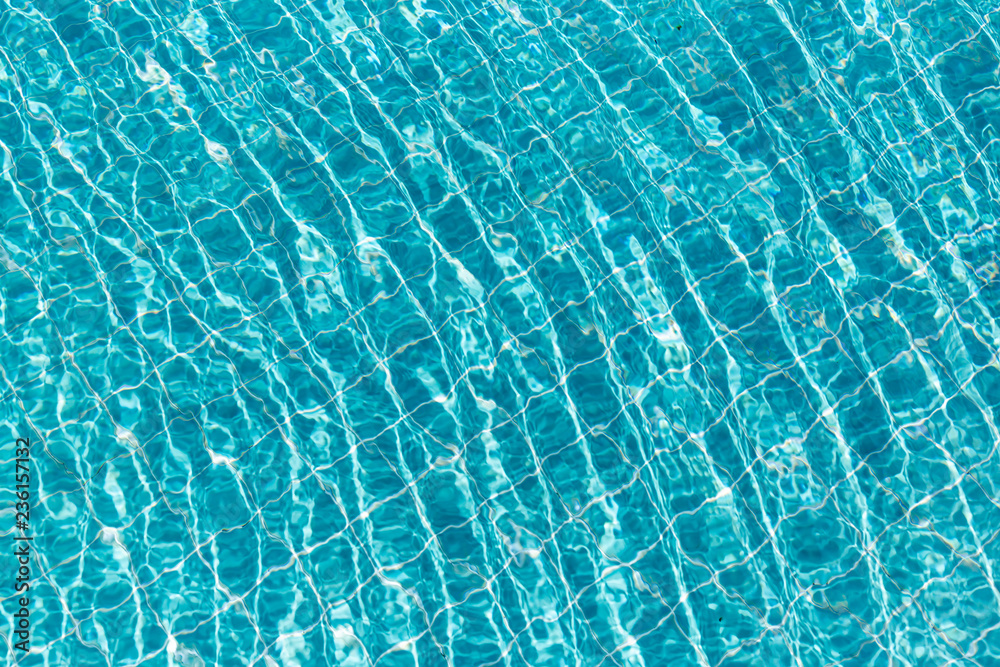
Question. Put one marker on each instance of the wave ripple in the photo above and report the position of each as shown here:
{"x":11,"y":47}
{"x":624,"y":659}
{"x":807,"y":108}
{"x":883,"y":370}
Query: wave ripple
{"x":445,"y":333}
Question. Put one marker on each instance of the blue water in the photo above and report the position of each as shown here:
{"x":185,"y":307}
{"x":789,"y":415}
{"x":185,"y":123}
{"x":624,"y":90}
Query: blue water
{"x":442,"y":333}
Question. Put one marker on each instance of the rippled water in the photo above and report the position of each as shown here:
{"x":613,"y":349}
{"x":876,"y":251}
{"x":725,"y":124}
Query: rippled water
{"x":443,"y":333}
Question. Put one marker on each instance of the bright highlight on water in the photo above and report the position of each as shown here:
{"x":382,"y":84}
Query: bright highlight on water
{"x":500,"y":333}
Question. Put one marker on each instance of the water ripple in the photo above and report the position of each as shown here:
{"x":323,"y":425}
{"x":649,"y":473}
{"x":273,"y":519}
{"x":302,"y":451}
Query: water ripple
{"x":509,"y":334}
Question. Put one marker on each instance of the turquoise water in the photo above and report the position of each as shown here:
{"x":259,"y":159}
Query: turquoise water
{"x":441,"y":333}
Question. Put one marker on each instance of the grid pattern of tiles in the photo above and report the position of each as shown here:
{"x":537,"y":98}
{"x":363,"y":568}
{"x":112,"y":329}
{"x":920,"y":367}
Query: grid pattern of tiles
{"x":453,"y":333}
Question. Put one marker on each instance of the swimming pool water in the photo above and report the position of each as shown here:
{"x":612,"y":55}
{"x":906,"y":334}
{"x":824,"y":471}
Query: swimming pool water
{"x":430,"y":332}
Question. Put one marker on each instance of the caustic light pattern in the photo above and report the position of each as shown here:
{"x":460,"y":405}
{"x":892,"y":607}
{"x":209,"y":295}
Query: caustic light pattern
{"x":432,"y":332}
